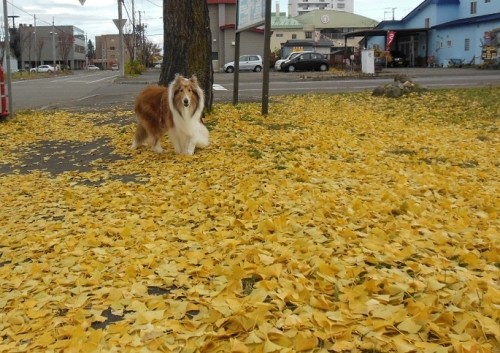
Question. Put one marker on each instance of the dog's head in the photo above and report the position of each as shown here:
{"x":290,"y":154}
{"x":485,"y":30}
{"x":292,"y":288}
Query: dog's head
{"x":186,"y":93}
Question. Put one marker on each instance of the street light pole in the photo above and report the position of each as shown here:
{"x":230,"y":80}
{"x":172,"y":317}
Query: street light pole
{"x":53,"y":44}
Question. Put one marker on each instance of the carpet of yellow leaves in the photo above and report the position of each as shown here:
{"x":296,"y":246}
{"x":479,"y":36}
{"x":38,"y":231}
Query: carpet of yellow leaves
{"x":338,"y":223}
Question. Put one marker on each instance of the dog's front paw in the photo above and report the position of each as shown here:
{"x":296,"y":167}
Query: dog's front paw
{"x":157,"y":149}
{"x":188,"y":150}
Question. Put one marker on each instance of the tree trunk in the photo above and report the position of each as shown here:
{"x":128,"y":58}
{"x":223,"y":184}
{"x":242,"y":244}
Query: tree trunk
{"x":187,"y":44}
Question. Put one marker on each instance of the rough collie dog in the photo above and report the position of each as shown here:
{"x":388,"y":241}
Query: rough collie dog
{"x":176,"y":110}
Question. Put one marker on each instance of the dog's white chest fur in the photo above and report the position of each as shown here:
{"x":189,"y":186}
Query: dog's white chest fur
{"x":188,"y":131}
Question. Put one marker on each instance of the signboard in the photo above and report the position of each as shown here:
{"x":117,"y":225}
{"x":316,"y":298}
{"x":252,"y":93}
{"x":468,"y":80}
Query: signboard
{"x":251,"y":13}
{"x":489,"y":53}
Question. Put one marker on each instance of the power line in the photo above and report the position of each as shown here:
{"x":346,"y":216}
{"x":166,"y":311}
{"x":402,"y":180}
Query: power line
{"x":154,"y":3}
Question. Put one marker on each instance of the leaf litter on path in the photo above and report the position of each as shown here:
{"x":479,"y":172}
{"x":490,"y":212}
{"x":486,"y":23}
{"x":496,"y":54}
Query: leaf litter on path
{"x":337,"y":223}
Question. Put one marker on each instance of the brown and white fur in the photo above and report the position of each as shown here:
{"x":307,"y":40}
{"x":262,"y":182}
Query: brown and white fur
{"x":176,"y":110}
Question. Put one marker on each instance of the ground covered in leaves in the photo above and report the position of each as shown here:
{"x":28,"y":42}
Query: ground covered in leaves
{"x":339,"y":223}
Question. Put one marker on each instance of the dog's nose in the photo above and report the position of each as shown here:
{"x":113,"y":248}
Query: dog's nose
{"x":186,"y":102}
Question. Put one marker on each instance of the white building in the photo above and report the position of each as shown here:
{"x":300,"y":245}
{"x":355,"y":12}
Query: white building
{"x":300,"y":7}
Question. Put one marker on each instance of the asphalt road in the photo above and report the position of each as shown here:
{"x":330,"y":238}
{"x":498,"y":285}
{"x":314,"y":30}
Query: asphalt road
{"x":105,"y":89}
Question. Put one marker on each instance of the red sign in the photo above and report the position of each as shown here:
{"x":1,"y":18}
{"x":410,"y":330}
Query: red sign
{"x":390,"y":39}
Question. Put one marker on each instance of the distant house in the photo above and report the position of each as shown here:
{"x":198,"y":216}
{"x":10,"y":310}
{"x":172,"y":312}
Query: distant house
{"x":441,"y":33}
{"x":318,"y":27}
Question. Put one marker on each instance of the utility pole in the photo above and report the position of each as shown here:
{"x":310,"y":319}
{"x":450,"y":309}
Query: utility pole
{"x":13,"y":20}
{"x":134,"y":49}
{"x":36,"y":54}
{"x":119,"y":23}
{"x":120,"y":35}
{"x":392,"y":9}
{"x":53,"y":44}
{"x":141,"y":34}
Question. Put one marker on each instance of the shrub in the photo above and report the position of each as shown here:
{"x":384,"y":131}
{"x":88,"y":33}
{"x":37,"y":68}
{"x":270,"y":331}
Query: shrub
{"x":134,"y":67}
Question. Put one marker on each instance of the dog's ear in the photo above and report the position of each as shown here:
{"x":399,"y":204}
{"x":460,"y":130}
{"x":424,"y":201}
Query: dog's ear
{"x":178,"y":77}
{"x":194,"y":79}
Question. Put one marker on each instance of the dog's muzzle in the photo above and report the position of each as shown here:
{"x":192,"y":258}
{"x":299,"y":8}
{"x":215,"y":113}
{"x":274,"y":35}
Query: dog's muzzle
{"x":185,"y":101}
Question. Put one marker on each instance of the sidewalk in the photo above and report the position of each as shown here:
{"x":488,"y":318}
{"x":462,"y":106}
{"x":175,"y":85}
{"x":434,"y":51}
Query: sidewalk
{"x":152,"y":76}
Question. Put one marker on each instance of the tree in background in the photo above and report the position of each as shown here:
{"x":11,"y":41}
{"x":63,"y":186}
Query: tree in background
{"x":15,"y":44}
{"x":90,"y":51}
{"x":65,"y":45}
{"x":150,"y":52}
{"x":27,"y":38}
{"x":40,"y":43}
{"x":187,"y":44}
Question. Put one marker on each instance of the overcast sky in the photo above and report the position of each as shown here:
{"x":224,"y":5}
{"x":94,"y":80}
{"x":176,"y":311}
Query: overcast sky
{"x":95,"y":16}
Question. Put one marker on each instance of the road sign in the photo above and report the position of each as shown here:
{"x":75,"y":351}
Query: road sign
{"x":119,"y":24}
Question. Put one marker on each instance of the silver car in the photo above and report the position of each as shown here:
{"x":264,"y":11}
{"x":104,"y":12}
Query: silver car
{"x":43,"y":68}
{"x":247,"y":63}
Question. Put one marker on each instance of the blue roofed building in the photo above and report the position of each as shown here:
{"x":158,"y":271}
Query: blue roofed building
{"x":441,"y":33}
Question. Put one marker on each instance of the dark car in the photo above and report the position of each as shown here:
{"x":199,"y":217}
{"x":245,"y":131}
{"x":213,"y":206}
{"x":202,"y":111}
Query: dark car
{"x":398,"y":59}
{"x":306,"y":62}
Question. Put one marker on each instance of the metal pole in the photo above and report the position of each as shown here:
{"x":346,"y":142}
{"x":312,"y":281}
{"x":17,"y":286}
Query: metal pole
{"x":7,"y":56}
{"x":120,"y":35}
{"x":134,"y":49}
{"x":236,"y":77}
{"x":53,"y":44}
{"x":267,"y":57}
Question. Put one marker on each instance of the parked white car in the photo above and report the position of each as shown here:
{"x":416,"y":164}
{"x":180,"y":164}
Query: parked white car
{"x":93,"y":68}
{"x":43,"y":68}
{"x":247,"y":62}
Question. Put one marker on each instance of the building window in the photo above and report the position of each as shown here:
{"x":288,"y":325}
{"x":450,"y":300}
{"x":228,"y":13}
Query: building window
{"x":487,"y":1}
{"x":467,"y":44}
{"x":473,"y":7}
{"x":427,"y":22}
{"x":340,"y":6}
{"x":309,"y":35}
{"x":111,"y":48}
{"x":279,"y":35}
{"x":294,"y":36}
{"x":448,"y":43}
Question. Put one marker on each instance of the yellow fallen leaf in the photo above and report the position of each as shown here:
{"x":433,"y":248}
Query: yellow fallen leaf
{"x":305,"y":341}
{"x":409,"y":326}
{"x":237,"y":346}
